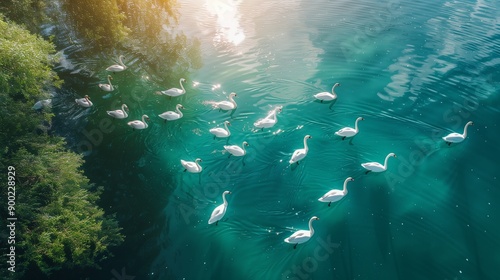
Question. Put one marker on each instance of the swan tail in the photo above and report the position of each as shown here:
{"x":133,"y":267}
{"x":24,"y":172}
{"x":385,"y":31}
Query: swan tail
{"x":212,"y":103}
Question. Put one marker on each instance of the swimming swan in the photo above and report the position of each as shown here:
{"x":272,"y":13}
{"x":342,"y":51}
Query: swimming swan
{"x":219,"y":211}
{"x":117,"y":67}
{"x":171,"y":115}
{"x":270,"y":120}
{"x":377,"y":167}
{"x":139,"y":124}
{"x":226,"y":105}
{"x":84,"y":102}
{"x":174,"y":92}
{"x":108,"y":86}
{"x":119,"y":114}
{"x":302,"y":236}
{"x":300,"y":154}
{"x":236,"y":150}
{"x":326,"y":96}
{"x":335,"y":195}
{"x":349,"y":131}
{"x":221,"y":132}
{"x":457,"y":137}
{"x":192,"y":166}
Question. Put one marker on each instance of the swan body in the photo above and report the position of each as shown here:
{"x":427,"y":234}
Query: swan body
{"x":326,"y":96}
{"x":174,"y":92}
{"x":192,"y":166}
{"x":219,"y":211}
{"x":335,"y":195}
{"x":171,"y":115}
{"x":300,"y":154}
{"x":119,"y":114}
{"x":139,"y":124}
{"x":268,"y":121}
{"x":108,"y":86}
{"x":457,"y":137}
{"x":236,"y":150}
{"x":302,"y":236}
{"x":349,"y":131}
{"x":84,"y":102}
{"x":377,"y":167}
{"x":41,"y":104}
{"x":117,"y":67}
{"x":221,"y":132}
{"x":227,"y":105}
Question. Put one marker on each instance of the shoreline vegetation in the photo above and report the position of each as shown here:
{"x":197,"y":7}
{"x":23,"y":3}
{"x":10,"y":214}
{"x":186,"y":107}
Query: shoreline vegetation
{"x":60,"y":225}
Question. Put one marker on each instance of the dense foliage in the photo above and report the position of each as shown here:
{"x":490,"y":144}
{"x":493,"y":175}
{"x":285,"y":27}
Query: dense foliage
{"x":59,"y":224}
{"x":30,"y":13}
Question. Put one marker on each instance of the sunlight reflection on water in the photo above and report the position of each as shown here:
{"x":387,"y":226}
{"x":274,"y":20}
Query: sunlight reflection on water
{"x":228,"y":21}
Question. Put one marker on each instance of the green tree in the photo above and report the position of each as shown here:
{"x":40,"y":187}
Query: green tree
{"x":59,"y":224}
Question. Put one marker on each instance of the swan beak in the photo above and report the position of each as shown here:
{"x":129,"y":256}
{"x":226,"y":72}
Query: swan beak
{"x":229,"y":192}
{"x":395,"y":156}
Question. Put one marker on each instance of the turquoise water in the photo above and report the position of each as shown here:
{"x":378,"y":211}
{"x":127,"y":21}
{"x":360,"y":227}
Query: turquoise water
{"x":415,"y":70}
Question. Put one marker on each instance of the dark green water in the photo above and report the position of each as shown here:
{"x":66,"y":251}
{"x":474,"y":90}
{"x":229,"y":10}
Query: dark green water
{"x":415,"y":70}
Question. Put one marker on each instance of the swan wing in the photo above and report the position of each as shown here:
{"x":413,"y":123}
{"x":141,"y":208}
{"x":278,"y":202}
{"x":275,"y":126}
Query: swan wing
{"x":373,"y":166}
{"x":298,"y":155}
{"x":325,"y":96}
{"x":332,"y":196}
{"x":217,"y":214}
{"x":173,"y":92}
{"x":119,"y":114}
{"x":454,"y":137}
{"x":234,"y":150}
{"x":346,"y":131}
{"x":299,"y":236}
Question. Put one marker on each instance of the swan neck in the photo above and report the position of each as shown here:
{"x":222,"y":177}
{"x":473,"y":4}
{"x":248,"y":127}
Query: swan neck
{"x":227,"y":129}
{"x":345,"y":185}
{"x":232,"y":100}
{"x":178,"y":109}
{"x":224,"y":198}
{"x":180,"y":82}
{"x":123,"y":110}
{"x":243,"y":147}
{"x":120,"y":60}
{"x":356,"y":125}
{"x":465,"y":130}
{"x":311,"y":229}
{"x":144,"y":120}
{"x":386,"y":160}
{"x":305,"y":144}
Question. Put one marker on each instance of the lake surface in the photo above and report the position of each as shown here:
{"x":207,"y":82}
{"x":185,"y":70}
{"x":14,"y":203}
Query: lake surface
{"x":414,"y":70}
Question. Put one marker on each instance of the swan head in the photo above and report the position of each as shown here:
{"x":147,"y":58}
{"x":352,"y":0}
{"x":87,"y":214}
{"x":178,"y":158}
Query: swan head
{"x":470,"y":123}
{"x":125,"y":107}
{"x":360,"y":119}
{"x":336,"y":85}
{"x":227,"y":192}
{"x":314,"y":218}
{"x":179,"y":106}
{"x":227,"y":122}
{"x":349,"y":179}
{"x":86,"y":97}
{"x":245,"y":143}
{"x":110,"y":77}
{"x":183,"y":80}
{"x":198,"y":160}
{"x":121,"y":56}
{"x":392,"y":155}
{"x":146,"y":117}
{"x":308,"y":137}
{"x":279,"y":108}
{"x":232,"y":94}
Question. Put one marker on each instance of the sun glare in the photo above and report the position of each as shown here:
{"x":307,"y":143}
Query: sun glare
{"x":228,"y":21}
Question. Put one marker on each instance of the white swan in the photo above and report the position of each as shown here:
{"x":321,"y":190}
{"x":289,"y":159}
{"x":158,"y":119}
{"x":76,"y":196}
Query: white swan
{"x":300,"y":154}
{"x":42,"y":103}
{"x":174,"y":92}
{"x":302,"y":236}
{"x":236,"y":150}
{"x":227,"y":105}
{"x":117,"y":67}
{"x":377,"y":167}
{"x":219,"y":211}
{"x":171,"y":115}
{"x":457,"y":137}
{"x":221,"y":132}
{"x":84,"y":102}
{"x":108,"y":86}
{"x":326,"y":96}
{"x":119,"y":114}
{"x":349,"y":131}
{"x":270,"y":120}
{"x":335,"y":195}
{"x":192,"y":166}
{"x":139,"y":124}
